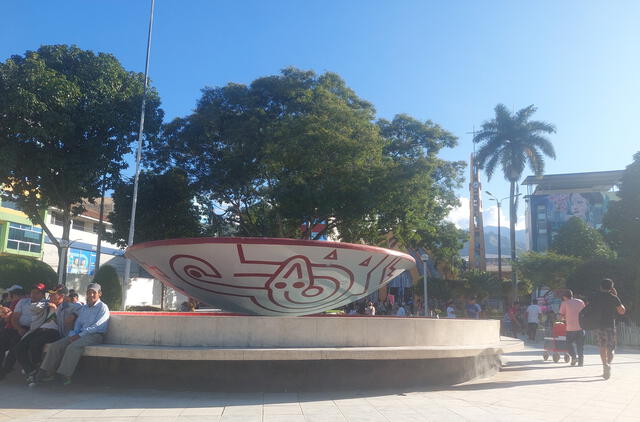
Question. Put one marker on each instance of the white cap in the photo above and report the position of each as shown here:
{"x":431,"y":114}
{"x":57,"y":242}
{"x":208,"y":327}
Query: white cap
{"x":14,"y":287}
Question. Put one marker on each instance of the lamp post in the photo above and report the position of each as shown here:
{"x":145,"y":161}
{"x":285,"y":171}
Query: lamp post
{"x":499,"y":204}
{"x":134,"y":200}
{"x":424,"y":258}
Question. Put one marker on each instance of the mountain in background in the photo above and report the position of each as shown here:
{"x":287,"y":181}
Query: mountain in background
{"x":491,"y":241}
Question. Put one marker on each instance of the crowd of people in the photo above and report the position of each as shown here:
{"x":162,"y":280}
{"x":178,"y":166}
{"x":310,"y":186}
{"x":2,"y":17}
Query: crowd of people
{"x":438,"y":309}
{"x":30,"y":321}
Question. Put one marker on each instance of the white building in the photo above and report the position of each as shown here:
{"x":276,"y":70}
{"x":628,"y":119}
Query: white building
{"x":143,"y":290}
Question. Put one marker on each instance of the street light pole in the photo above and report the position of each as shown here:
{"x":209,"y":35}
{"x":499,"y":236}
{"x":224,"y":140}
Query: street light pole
{"x":424,"y":258}
{"x":499,"y":205}
{"x":499,"y":245}
{"x":132,"y":223}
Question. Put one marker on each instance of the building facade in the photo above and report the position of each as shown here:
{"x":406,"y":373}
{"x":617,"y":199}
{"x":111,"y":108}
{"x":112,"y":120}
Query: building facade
{"x":19,"y":236}
{"x":554,"y":199}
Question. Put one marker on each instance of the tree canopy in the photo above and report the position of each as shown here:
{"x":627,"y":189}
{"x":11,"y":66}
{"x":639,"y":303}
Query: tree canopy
{"x":68,"y":118}
{"x":622,"y":220}
{"x":300,"y":147}
{"x":576,"y":238}
{"x":510,"y":141}
{"x":165,"y":208}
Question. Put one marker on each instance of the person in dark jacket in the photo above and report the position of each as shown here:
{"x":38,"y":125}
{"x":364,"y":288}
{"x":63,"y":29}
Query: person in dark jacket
{"x":606,"y":305}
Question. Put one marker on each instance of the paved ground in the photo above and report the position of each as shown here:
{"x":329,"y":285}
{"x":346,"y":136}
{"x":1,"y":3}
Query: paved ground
{"x":528,"y":389}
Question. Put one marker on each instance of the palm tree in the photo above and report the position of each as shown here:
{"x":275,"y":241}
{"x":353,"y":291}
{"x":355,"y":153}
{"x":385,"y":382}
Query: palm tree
{"x":511,"y":141}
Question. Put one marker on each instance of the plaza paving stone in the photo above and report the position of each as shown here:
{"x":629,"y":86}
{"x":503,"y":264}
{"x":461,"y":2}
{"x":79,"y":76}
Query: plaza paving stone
{"x":527,"y":389}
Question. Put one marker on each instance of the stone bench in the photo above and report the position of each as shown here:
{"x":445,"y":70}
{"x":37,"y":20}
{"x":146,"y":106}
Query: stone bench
{"x":316,"y":353}
{"x":241,"y":353}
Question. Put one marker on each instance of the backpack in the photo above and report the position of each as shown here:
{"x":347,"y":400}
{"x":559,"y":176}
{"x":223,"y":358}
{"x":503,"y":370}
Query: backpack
{"x":588,"y":318}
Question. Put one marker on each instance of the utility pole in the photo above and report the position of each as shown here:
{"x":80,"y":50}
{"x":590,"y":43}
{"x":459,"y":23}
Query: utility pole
{"x":424,"y":258}
{"x":499,"y":205}
{"x":132,"y":224}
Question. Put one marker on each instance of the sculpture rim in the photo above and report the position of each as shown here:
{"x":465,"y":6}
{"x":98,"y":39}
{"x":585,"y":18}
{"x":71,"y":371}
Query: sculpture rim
{"x":261,"y":240}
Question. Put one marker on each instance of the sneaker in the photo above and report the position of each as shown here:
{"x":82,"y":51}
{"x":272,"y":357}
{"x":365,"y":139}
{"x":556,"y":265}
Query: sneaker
{"x":31,"y":376}
{"x":574,"y":362}
{"x":66,"y":381}
{"x":581,"y":361}
{"x":42,"y":377}
{"x":606,"y":374}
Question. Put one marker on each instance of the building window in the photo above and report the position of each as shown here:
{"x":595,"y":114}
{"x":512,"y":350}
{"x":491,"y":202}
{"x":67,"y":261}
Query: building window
{"x":24,"y":238}
{"x":78,"y":225}
{"x":56,"y":219}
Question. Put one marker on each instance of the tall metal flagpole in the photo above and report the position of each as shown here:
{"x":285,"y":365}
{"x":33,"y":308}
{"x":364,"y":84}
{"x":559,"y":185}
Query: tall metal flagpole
{"x":132,"y":224}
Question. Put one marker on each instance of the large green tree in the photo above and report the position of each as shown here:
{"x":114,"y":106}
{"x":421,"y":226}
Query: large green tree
{"x":510,"y":141}
{"x":575,"y":238}
{"x":622,"y":221}
{"x":165,"y":208}
{"x":68,"y":117}
{"x":300,"y":147}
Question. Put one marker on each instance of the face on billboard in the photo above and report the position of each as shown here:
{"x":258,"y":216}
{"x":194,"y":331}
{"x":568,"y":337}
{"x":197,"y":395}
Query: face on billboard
{"x":80,"y":261}
{"x":550,"y":212}
{"x":579,"y":206}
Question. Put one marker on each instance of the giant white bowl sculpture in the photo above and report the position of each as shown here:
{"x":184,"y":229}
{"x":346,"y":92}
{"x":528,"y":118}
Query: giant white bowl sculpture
{"x":265,"y":276}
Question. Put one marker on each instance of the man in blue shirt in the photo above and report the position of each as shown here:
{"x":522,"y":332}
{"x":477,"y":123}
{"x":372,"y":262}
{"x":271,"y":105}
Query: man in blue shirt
{"x":473,"y":309}
{"x":63,"y":355}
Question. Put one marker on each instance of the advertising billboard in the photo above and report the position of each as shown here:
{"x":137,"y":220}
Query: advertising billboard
{"x":81,"y":262}
{"x":550,"y":212}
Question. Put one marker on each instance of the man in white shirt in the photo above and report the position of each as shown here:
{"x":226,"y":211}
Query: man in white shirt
{"x":533,"y":319}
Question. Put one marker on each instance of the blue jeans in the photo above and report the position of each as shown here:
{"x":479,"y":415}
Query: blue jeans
{"x":576,"y":337}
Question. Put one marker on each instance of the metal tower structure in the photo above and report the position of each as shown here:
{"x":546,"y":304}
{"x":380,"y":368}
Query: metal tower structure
{"x":476,"y":227}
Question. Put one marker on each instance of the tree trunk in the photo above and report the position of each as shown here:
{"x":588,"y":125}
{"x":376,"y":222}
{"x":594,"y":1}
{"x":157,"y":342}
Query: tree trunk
{"x":512,"y":238}
{"x":37,"y":218}
{"x":100,"y":224}
{"x":66,"y":231}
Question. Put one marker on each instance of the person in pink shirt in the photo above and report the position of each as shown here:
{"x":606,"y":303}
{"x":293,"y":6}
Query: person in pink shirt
{"x":570,"y":312}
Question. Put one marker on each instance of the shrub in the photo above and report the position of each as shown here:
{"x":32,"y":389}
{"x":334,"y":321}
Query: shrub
{"x":108,"y":279}
{"x":25,"y":272}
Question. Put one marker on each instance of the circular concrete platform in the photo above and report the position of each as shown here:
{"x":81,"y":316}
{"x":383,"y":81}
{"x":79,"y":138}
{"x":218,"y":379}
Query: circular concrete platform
{"x":250,"y":353}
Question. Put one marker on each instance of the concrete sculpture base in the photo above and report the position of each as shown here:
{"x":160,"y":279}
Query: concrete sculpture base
{"x":249,"y":353}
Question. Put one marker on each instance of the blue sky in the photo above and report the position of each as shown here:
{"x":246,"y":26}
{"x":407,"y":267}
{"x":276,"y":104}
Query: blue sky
{"x":450,"y":62}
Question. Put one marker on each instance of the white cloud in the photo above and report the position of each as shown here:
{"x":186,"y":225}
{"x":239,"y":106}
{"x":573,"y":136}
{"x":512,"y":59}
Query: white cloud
{"x":460,"y":216}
